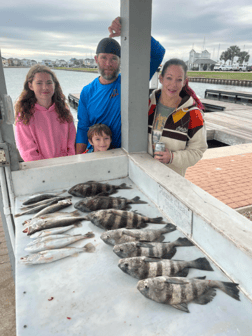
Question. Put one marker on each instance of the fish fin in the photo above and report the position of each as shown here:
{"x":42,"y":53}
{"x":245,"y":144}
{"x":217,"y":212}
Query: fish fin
{"x":183,"y":273}
{"x":152,"y":259}
{"x":78,"y":224}
{"x":90,"y":248}
{"x":147,"y":244}
{"x":202,"y":264}
{"x":123,"y":186}
{"x":200,"y":278}
{"x":89,"y":235}
{"x":181,"y":306}
{"x":183,"y":242}
{"x":157,"y":220}
{"x":206,"y":297}
{"x":175,"y":280}
{"x":137,"y":200}
{"x":230,"y":289}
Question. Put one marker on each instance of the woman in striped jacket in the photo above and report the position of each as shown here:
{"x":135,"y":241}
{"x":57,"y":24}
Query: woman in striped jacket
{"x":176,"y":119}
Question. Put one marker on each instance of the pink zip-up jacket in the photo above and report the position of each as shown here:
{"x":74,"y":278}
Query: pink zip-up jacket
{"x":45,"y":137}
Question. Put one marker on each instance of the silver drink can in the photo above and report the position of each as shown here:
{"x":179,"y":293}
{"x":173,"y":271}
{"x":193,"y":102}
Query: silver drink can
{"x":159,"y":147}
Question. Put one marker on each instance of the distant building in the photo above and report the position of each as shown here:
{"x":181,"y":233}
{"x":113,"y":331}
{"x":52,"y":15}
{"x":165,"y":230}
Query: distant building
{"x":200,"y":61}
{"x":90,"y":63}
{"x":61,"y":63}
{"x":47,"y":62}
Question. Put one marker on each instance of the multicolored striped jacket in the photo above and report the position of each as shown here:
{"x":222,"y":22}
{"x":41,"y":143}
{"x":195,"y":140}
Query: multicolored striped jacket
{"x":184,"y":133}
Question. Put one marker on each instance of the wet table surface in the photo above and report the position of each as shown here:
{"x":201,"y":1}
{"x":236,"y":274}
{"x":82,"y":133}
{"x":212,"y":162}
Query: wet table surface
{"x":92,"y":296}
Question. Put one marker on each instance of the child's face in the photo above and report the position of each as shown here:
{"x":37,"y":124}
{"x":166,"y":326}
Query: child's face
{"x":43,"y":87}
{"x":100,"y":143}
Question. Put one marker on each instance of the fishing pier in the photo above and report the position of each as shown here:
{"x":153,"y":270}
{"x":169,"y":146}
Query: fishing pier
{"x":88,"y":294}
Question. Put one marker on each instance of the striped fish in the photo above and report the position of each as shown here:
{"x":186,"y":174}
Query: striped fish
{"x":144,"y":267}
{"x":105,"y":202}
{"x":114,"y":219}
{"x":178,"y":292}
{"x":156,"y":250}
{"x":121,"y":236}
{"x":92,"y":188}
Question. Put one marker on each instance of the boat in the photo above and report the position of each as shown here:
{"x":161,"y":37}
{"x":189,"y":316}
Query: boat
{"x":88,"y":294}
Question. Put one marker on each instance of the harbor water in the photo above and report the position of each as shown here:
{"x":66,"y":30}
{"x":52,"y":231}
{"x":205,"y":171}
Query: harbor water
{"x":73,"y":82}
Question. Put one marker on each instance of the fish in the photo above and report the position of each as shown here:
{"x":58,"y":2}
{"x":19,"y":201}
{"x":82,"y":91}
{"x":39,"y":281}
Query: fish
{"x":92,"y":188}
{"x":49,"y":237}
{"x":52,"y":231}
{"x":41,"y":197}
{"x":105,"y":202}
{"x":114,"y":219}
{"x":57,"y":214}
{"x":57,"y":243}
{"x":45,"y":257}
{"x":46,"y":201}
{"x":120,"y":236}
{"x":54,"y":207}
{"x":52,"y":223}
{"x":145,"y":267}
{"x":178,"y":292}
{"x":35,"y":209}
{"x":150,"y":249}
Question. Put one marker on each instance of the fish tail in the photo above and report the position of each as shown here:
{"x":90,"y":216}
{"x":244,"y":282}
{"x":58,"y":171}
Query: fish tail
{"x":169,"y":228}
{"x":202,"y":264}
{"x":157,"y":220}
{"x":137,"y":200}
{"x":183,"y":242}
{"x":18,"y":214}
{"x":229,"y":288}
{"x":89,"y":235}
{"x":90,"y":248}
{"x":123,"y":186}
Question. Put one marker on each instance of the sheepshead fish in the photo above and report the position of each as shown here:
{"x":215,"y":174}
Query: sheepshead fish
{"x":45,"y":257}
{"x":57,"y":243}
{"x":92,"y":188}
{"x":41,"y":197}
{"x":114,"y":219}
{"x":120,"y":236}
{"x":52,"y":223}
{"x":156,"y":250}
{"x":53,"y":231}
{"x":53,"y":208}
{"x":105,"y":202}
{"x":178,"y":292}
{"x":144,"y":267}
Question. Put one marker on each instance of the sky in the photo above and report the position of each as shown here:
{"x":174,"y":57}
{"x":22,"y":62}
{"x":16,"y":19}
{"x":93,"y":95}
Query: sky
{"x":53,"y":29}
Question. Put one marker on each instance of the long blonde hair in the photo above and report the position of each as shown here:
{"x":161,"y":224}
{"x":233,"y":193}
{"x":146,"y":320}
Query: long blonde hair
{"x":24,"y":108}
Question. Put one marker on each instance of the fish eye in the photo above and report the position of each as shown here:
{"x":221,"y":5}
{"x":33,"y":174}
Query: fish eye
{"x":146,"y":287}
{"x":126,"y":264}
{"x":121,"y":250}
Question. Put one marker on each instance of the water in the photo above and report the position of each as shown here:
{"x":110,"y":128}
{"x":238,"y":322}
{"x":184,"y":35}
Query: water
{"x":73,"y":82}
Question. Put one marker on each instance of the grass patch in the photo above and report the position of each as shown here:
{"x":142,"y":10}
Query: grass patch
{"x":77,"y":69}
{"x":220,"y":75}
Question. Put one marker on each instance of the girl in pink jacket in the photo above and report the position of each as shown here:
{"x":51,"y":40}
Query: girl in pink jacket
{"x":44,"y":124}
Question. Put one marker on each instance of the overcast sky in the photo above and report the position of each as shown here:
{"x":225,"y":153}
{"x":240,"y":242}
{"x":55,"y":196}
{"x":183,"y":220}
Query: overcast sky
{"x":53,"y":29}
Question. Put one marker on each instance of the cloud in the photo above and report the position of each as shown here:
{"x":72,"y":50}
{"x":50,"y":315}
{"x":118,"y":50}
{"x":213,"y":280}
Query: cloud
{"x":65,"y":29}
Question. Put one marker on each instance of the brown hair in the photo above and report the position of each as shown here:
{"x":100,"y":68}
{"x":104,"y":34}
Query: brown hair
{"x":98,"y":129}
{"x":189,"y":91}
{"x":27,"y":100}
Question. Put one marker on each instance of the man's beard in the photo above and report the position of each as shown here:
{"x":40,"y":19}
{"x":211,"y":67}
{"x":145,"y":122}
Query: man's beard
{"x":113,"y":75}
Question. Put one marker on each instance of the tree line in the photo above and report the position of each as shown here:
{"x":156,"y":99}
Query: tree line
{"x":232,"y":52}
